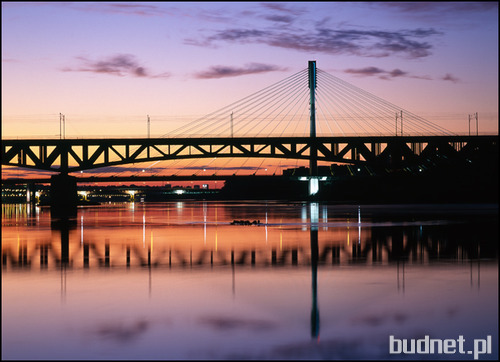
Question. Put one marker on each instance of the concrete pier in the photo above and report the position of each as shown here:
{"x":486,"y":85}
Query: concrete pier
{"x":63,"y":196}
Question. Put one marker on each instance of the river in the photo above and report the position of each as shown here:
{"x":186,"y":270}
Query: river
{"x":250,"y":280}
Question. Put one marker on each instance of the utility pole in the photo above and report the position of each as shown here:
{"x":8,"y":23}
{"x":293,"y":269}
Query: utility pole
{"x":401,"y":123}
{"x":475,"y":116}
{"x":477,"y":129}
{"x":62,"y":126}
{"x":149,"y":127}
{"x":396,"y":124}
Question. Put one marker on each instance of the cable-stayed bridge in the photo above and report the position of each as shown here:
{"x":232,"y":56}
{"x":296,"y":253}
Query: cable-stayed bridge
{"x":284,"y":109}
{"x":310,"y":116}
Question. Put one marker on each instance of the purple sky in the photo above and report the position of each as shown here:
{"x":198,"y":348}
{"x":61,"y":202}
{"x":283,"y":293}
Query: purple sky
{"x":106,"y":66}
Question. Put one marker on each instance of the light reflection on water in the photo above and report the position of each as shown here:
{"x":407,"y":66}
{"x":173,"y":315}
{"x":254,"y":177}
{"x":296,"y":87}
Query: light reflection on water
{"x":307,"y":281}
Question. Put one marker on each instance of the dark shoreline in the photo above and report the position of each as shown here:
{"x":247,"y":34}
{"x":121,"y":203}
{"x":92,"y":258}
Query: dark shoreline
{"x":445,"y":184}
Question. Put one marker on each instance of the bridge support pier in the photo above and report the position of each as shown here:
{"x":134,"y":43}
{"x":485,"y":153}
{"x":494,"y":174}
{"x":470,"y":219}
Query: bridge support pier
{"x":31,"y":193}
{"x":63,"y":196}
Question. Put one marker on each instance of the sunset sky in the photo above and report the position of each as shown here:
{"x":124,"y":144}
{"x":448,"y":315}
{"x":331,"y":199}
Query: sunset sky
{"x":106,"y":66}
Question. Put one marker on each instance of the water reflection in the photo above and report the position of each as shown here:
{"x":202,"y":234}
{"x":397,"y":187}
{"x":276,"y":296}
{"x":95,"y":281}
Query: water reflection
{"x":337,"y":248}
{"x":314,"y":270}
{"x":177,"y":242}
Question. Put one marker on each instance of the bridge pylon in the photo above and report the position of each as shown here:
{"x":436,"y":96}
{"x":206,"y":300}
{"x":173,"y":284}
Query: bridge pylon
{"x":313,"y":160}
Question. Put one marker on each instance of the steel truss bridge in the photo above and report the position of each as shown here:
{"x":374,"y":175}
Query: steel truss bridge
{"x":74,"y":155}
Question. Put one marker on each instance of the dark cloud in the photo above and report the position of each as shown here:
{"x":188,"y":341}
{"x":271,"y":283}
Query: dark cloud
{"x":228,"y":323}
{"x":231,"y":35}
{"x":220,"y":71}
{"x":397,"y":73}
{"x":440,"y":8}
{"x":280,"y":18}
{"x":374,"y":71}
{"x":401,"y":43}
{"x":366,"y":71}
{"x":119,"y":8}
{"x":376,"y":320}
{"x":134,"y":8}
{"x":383,"y":74}
{"x":119,"y":65}
{"x":131,"y":8}
{"x":122,"y":333}
{"x":282,"y":7}
{"x":280,"y":13}
{"x":451,"y":78}
{"x":407,"y":43}
{"x":445,"y":13}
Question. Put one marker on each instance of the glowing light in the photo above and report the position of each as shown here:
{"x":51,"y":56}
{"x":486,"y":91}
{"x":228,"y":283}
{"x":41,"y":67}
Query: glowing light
{"x":313,"y":186}
{"x":144,"y":229}
{"x":314,"y":208}
{"x":83,"y":194}
{"x":81,"y":230}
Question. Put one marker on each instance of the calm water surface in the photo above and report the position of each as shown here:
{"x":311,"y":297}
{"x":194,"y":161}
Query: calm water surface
{"x":181,"y":280}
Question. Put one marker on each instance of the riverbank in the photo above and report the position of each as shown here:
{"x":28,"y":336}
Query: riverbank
{"x":439,"y":185}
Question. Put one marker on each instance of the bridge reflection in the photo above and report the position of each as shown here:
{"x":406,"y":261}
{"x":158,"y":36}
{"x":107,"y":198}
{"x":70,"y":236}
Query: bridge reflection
{"x":318,"y":243}
{"x":74,"y":244}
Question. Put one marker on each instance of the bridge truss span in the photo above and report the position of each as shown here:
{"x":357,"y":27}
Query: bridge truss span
{"x":73,"y":155}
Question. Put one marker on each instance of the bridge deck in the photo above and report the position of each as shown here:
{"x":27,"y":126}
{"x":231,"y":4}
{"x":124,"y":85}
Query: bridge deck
{"x":72,"y":155}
